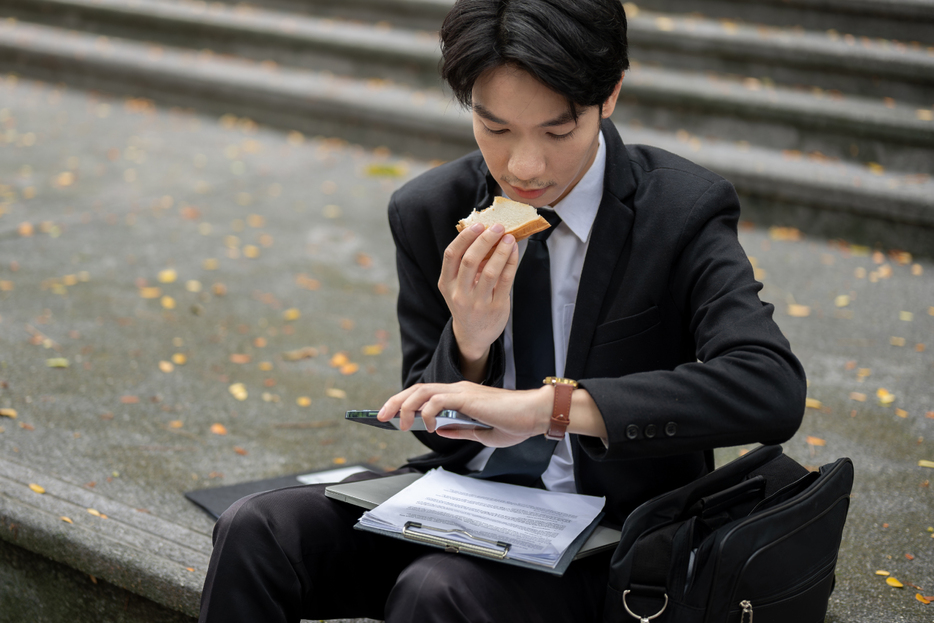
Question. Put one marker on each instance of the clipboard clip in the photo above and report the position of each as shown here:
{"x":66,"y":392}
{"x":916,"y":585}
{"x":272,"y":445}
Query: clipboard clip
{"x":499,"y":549}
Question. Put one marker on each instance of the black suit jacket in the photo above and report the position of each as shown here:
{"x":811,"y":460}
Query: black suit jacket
{"x":669,"y":335}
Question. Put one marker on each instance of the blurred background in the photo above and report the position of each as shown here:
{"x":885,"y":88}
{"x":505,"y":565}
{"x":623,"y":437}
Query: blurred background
{"x":197,"y":279}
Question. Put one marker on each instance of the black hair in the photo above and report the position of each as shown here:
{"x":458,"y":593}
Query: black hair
{"x":577,"y":48}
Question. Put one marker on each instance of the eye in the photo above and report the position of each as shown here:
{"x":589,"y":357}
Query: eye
{"x":561,"y":137}
{"x":496,"y":132}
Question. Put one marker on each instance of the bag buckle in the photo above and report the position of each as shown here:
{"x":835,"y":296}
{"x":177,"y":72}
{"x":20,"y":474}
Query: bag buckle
{"x":641,"y":618}
{"x":747,"y":609}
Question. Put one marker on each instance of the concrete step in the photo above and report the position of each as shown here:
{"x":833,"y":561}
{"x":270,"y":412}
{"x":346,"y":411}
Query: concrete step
{"x":889,"y":133}
{"x":427,"y":123}
{"x":780,"y":55}
{"x":900,"y":20}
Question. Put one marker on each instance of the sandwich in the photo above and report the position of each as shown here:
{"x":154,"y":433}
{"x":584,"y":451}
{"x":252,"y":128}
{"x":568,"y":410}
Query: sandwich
{"x":520,"y":219}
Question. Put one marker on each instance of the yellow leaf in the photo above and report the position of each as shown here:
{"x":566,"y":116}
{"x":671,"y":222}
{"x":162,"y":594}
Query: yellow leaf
{"x":922,"y":598}
{"x":94,"y":512}
{"x":37,"y":488}
{"x":893,"y":582}
{"x":303,"y":401}
{"x":349,"y":368}
{"x":10,"y":413}
{"x":340,"y":460}
{"x":339,"y":359}
{"x":373,"y":349}
{"x":167,"y":276}
{"x":811,"y":403}
{"x":799,"y":311}
{"x":924,"y":463}
{"x":816,"y":441}
{"x":291,"y":314}
{"x":842,"y":301}
{"x":168,"y":302}
{"x":333,"y":392}
{"x":857,"y":396}
{"x":238,"y":391}
{"x":218,"y":429}
{"x":901,"y":413}
{"x":66,"y":519}
{"x":265,"y":366}
{"x":57,"y":362}
{"x":151,"y":292}
{"x":179,"y":359}
{"x":166,"y":366}
{"x":906,"y":316}
{"x":885,"y":573}
{"x":176,"y":424}
{"x":385,"y":170}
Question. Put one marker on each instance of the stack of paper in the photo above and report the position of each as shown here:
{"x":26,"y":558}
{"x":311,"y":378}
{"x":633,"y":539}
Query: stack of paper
{"x":530,"y":525}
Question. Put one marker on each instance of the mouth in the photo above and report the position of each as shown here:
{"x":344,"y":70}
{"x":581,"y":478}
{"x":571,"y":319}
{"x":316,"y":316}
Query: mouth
{"x":533,"y":193}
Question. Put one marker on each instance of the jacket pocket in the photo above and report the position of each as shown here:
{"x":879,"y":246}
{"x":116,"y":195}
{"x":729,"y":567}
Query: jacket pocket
{"x":629,"y":326}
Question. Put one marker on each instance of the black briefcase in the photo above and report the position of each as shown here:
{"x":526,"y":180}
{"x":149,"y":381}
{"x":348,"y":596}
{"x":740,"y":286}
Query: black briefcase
{"x":756,"y":537}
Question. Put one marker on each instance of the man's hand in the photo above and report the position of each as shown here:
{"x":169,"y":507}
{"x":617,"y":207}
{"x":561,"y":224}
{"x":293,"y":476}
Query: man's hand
{"x":514,"y":415}
{"x":477,"y":291}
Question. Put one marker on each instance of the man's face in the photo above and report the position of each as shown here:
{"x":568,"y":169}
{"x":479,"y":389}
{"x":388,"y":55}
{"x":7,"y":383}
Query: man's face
{"x":535,"y":149}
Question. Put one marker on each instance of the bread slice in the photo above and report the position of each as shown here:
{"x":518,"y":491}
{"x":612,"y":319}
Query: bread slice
{"x":519,"y":219}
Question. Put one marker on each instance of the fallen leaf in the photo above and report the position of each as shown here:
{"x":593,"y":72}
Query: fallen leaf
{"x":893,"y":582}
{"x":218,"y":429}
{"x":129,"y":400}
{"x":857,"y":396}
{"x":339,"y":359}
{"x":26,"y":426}
{"x":95,"y":512}
{"x":10,"y":413}
{"x":811,"y":403}
{"x":842,"y":300}
{"x":169,"y":275}
{"x":176,"y":424}
{"x":151,"y":292}
{"x":901,"y":413}
{"x":909,"y":556}
{"x":291,"y":314}
{"x":238,"y":391}
{"x":37,"y":488}
{"x":66,"y":519}
{"x":816,"y":441}
{"x":925,"y":463}
{"x":57,"y":362}
{"x":349,"y":368}
{"x":922,"y":598}
{"x":189,"y":568}
{"x":373,"y":349}
{"x":333,"y":392}
{"x":240,"y":451}
{"x":179,"y":359}
{"x":168,"y":302}
{"x":166,"y":366}
{"x":340,"y":460}
{"x":303,"y":401}
{"x":799,"y":311}
{"x":884,"y":573}
{"x":385,"y":170}
{"x":300,"y":353}
{"x":240,"y":358}
{"x":906,"y":316}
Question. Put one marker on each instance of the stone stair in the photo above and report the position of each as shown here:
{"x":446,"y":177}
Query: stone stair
{"x":828,"y":119}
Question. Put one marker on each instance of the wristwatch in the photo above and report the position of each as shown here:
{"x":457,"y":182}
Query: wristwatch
{"x":560,"y":415}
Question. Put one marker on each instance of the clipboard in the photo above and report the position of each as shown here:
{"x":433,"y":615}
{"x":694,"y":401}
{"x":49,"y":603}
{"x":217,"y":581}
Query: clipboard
{"x":368,"y":494}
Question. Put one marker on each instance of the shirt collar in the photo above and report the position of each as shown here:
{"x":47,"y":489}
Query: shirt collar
{"x":578,"y":209}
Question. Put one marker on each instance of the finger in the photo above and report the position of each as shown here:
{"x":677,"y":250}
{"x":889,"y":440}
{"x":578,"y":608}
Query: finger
{"x":391,"y":407}
{"x":492,"y":273}
{"x":454,"y":252}
{"x":507,"y":276}
{"x":476,"y":254}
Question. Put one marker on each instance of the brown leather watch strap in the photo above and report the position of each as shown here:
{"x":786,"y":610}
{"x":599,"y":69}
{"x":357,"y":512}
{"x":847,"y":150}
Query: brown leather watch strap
{"x":561,"y":414}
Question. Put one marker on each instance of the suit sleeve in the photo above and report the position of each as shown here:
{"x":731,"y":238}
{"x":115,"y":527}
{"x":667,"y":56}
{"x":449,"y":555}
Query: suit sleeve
{"x":745,"y":386}
{"x":429,"y":349}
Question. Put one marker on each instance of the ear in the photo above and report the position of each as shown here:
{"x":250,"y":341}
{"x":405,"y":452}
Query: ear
{"x":610,"y":104}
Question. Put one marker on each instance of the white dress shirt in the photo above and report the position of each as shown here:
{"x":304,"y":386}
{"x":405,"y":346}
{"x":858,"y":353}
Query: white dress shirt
{"x":567,"y":247}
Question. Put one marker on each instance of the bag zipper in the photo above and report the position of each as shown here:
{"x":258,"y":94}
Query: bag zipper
{"x":747,"y":609}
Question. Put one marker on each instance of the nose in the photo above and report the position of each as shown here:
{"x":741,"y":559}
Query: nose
{"x":526,"y":162}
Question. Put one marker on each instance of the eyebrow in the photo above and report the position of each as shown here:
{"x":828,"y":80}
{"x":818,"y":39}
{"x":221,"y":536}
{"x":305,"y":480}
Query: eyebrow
{"x":565,"y":117}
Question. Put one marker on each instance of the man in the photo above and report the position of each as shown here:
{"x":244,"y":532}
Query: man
{"x":649,"y":305}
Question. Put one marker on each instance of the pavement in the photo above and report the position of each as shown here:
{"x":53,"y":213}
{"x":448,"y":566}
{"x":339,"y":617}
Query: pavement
{"x":190,"y":300}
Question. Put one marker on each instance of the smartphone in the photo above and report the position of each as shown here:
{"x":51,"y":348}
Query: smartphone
{"x":450,"y":419}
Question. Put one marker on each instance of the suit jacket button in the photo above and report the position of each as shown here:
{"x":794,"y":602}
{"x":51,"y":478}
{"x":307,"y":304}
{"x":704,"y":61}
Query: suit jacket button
{"x":650,"y":430}
{"x":671,"y":428}
{"x":632,"y":431}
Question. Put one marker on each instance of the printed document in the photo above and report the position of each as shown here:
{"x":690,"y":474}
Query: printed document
{"x":538,"y":525}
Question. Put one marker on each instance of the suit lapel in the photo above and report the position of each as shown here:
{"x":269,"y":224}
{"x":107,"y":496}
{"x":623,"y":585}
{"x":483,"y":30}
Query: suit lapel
{"x":608,"y":237}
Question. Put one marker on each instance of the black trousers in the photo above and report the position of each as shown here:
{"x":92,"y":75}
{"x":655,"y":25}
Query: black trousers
{"x":293,"y":554}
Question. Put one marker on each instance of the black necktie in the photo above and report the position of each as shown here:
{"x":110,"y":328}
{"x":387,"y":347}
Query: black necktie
{"x":533,"y":348}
